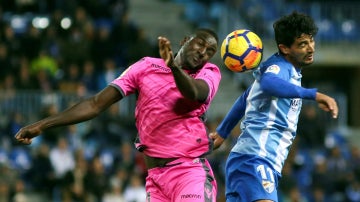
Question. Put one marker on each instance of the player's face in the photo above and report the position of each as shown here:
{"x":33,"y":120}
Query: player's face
{"x":198,"y":50}
{"x":301,"y":52}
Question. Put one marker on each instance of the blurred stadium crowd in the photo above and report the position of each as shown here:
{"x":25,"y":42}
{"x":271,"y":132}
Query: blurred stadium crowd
{"x":337,"y":20}
{"x":76,"y":48}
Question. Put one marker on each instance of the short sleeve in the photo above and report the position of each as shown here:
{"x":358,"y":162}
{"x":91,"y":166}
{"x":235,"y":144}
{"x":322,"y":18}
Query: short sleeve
{"x":127,"y":82}
{"x":212,"y":76}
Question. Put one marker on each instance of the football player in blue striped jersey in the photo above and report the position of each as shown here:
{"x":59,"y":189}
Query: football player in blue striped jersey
{"x":269,"y":110}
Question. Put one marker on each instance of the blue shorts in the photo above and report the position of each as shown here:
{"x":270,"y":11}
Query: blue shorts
{"x":250,"y":178}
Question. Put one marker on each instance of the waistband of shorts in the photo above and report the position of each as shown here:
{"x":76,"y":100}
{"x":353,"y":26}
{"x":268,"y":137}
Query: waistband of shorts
{"x":153,"y":162}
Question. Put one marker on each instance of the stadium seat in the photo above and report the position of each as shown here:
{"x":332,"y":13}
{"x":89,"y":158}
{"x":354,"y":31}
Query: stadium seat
{"x":349,"y":30}
{"x":327,"y":30}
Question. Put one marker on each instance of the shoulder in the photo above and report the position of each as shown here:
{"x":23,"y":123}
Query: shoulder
{"x":210,"y":73}
{"x":156,"y":63}
{"x":211,"y":66}
{"x":147,"y":63}
{"x":152,"y":59}
{"x":276,"y":64}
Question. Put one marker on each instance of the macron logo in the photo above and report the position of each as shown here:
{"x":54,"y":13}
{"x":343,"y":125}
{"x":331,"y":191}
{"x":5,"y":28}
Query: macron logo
{"x":187,"y":196}
{"x":165,"y":69}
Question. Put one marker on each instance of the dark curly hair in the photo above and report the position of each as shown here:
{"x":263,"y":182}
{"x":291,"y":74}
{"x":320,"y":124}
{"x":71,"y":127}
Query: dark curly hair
{"x":292,"y":26}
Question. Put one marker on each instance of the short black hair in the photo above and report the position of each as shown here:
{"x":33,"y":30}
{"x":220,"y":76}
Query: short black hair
{"x":292,"y":26}
{"x":208,"y":31}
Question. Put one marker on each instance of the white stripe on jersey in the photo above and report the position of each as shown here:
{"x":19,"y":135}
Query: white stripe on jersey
{"x":269,"y":123}
{"x":283,"y":149}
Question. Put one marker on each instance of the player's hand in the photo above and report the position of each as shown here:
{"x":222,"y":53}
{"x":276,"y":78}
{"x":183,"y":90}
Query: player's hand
{"x":217,"y":139}
{"x":327,"y":104}
{"x":27,"y":133}
{"x":165,"y":51}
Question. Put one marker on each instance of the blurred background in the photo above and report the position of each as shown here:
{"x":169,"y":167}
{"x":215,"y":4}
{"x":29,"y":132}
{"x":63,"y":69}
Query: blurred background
{"x":54,"y":53}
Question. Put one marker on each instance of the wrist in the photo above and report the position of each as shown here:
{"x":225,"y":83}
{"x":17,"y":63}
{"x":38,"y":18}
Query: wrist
{"x":174,"y":66}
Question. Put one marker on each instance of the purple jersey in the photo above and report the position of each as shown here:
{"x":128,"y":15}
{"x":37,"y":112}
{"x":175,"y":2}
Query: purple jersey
{"x":168,"y":124}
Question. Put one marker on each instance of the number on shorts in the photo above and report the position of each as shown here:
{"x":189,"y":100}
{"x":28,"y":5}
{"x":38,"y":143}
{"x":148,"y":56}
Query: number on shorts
{"x":266,"y":173}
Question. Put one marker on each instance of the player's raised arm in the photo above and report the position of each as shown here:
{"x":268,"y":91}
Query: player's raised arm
{"x":194,"y":53}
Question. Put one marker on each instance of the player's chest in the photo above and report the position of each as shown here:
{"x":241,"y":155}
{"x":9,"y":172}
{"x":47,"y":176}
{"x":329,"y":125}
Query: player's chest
{"x":158,"y":84}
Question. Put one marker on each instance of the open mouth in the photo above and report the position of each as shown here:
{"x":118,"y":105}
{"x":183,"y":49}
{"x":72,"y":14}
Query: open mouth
{"x":196,"y":61}
{"x":309,"y":57}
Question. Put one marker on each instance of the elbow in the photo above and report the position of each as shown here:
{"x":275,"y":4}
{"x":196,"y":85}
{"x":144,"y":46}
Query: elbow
{"x":198,"y":91}
{"x":200,"y":96}
{"x":95,"y":107}
{"x":201,"y":92}
{"x":191,"y":95}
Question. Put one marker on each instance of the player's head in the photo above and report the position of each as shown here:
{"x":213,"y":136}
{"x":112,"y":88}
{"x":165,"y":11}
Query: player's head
{"x":198,"y":49}
{"x":294,"y":35}
{"x":292,"y":26}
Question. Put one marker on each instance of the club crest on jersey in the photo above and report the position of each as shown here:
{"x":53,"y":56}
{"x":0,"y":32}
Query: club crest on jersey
{"x":273,"y":69}
{"x":268,"y":186}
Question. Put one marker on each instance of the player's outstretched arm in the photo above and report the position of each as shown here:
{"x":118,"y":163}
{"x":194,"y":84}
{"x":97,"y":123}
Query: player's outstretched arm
{"x":327,"y":104}
{"x":82,"y":111}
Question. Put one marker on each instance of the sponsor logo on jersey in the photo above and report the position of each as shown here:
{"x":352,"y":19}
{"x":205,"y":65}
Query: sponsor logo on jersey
{"x":162,"y":68}
{"x":189,"y":196}
{"x":295,"y":104}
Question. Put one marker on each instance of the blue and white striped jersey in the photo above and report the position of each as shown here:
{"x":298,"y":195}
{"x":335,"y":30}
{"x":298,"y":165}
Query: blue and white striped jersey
{"x":270,"y":122}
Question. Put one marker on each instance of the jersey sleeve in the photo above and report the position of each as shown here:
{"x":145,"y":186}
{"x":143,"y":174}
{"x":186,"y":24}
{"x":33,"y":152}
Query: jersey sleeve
{"x":234,"y":115}
{"x":126,"y":83}
{"x":212,"y":76}
{"x":278,"y":87}
{"x":274,"y":81}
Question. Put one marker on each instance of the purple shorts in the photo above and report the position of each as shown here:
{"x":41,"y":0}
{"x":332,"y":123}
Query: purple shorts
{"x":183,"y":179}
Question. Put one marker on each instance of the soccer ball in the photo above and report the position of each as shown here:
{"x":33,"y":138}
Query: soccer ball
{"x":241,"y":50}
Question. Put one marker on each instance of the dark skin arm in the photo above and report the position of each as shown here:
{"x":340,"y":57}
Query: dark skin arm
{"x":194,"y":89}
{"x":93,"y":106}
{"x":82,"y":111}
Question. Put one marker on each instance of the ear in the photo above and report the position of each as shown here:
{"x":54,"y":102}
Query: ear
{"x":284,"y":49}
{"x":184,"y":40}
